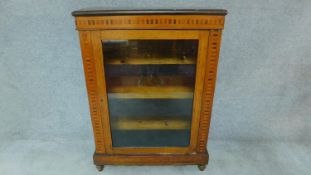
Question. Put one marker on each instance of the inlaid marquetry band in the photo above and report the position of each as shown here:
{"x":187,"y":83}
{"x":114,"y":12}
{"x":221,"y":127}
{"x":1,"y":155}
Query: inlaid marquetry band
{"x":91,"y":83}
{"x":209,"y":87}
{"x":150,"y":22}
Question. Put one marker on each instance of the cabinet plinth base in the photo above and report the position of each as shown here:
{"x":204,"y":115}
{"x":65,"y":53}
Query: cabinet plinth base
{"x":151,"y":159}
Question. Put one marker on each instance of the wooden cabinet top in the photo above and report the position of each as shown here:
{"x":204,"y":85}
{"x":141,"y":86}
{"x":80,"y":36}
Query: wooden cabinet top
{"x":118,"y":12}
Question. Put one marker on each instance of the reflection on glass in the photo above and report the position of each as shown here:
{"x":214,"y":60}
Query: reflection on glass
{"x":150,"y":85}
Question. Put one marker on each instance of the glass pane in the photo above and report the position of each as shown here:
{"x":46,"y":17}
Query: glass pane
{"x":150,"y":85}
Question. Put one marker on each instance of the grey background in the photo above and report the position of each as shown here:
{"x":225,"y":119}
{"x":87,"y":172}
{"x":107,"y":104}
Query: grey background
{"x":261,"y":119}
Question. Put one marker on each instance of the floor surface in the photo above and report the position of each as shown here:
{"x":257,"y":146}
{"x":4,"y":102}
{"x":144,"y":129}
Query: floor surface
{"x":25,"y":157}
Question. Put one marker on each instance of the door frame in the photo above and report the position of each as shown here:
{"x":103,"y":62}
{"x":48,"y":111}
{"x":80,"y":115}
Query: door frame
{"x":98,"y":36}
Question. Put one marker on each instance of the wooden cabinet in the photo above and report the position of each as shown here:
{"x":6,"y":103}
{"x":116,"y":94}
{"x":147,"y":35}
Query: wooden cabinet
{"x":150,"y":77}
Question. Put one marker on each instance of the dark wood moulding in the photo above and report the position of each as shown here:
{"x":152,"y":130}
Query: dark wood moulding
{"x":109,"y":12}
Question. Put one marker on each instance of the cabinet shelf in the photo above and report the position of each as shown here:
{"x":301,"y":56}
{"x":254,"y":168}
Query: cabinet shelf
{"x":152,"y":60}
{"x":145,"y":123}
{"x":150,"y":92}
{"x":171,"y":80}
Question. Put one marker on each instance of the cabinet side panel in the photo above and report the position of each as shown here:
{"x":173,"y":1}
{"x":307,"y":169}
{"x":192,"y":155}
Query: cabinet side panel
{"x":209,"y":88}
{"x":91,"y":84}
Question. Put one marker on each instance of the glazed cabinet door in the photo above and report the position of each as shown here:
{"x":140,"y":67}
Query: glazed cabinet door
{"x":151,"y":84}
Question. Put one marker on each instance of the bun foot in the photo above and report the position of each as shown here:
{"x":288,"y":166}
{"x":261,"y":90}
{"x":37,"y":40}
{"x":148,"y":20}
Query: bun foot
{"x":100,"y":167}
{"x":201,"y":167}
